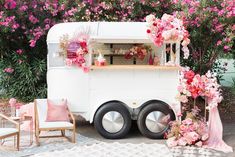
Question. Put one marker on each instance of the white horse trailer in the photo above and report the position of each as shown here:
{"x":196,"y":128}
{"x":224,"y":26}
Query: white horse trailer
{"x":112,"y":96}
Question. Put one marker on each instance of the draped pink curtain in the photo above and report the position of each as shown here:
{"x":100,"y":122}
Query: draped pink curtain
{"x":215,"y":140}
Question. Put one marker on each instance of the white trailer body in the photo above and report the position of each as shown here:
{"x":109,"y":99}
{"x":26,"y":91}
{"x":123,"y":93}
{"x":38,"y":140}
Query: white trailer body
{"x":132,"y":86}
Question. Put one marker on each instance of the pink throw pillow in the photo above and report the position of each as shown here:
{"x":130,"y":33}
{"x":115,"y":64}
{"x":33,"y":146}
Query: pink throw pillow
{"x":57,"y":112}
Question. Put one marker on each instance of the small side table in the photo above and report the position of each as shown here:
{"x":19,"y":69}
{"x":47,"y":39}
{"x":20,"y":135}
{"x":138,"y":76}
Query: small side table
{"x":26,"y":118}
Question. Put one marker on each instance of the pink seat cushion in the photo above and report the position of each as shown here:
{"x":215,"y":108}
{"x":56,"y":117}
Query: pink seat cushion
{"x":57,"y":112}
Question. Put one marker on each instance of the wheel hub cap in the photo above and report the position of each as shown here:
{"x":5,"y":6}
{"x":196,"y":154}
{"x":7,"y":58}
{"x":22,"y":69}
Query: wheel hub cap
{"x":156,"y":121}
{"x":112,"y":121}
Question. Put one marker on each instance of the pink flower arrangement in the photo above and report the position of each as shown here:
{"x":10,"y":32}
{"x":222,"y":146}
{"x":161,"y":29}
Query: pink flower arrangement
{"x":138,"y":52}
{"x":168,"y":28}
{"x":195,"y":85}
{"x":191,"y":131}
{"x":76,"y":50}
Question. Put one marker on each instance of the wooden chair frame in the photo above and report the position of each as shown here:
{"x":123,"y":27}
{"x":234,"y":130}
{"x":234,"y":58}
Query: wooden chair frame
{"x":17,"y":134}
{"x":38,"y":130}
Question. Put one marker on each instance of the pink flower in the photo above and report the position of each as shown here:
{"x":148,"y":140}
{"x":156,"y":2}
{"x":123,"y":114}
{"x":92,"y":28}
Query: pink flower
{"x":23,"y":8}
{"x":226,"y":48}
{"x":19,"y":51}
{"x":179,"y":114}
{"x":186,"y":42}
{"x":187,"y":121}
{"x":193,"y":135}
{"x":205,"y":137}
{"x":183,"y":128}
{"x":10,"y":4}
{"x":33,"y":19}
{"x":32,"y":43}
{"x":191,"y":10}
{"x":12,"y":102}
{"x":182,"y":141}
{"x":219,"y":42}
{"x":199,"y":144}
{"x":8,"y":70}
{"x":189,"y":75}
{"x":85,"y":69}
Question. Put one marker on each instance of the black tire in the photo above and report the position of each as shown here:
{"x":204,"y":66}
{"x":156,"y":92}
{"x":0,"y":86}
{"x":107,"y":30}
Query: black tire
{"x":150,"y":107}
{"x":112,"y":106}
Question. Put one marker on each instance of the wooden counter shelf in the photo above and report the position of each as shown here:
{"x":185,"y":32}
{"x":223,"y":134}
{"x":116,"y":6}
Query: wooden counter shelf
{"x":140,"y":67}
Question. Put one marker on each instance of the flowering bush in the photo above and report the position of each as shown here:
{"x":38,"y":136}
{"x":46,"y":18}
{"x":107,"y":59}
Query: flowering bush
{"x":168,"y":28}
{"x":191,"y":131}
{"x":211,"y":27}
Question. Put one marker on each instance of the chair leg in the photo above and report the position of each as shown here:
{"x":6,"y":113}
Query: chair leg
{"x":62,"y":132}
{"x":74,"y":136}
{"x":37,"y":137}
{"x":18,"y":141}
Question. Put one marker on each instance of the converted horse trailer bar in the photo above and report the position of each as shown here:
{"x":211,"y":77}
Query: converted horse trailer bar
{"x":112,"y":96}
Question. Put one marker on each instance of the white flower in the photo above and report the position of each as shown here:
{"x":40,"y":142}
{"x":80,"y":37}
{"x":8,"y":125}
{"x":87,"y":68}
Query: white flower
{"x":150,"y":18}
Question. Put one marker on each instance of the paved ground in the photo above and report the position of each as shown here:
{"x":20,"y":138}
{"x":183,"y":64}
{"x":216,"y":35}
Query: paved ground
{"x":134,"y":136}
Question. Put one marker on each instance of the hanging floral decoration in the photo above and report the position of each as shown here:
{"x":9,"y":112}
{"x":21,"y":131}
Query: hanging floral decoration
{"x":139,"y":52}
{"x":75,"y":50}
{"x":168,"y":28}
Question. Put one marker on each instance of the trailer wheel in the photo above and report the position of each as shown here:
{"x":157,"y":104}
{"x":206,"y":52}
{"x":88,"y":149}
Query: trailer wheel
{"x":153,"y":120}
{"x":112,"y":120}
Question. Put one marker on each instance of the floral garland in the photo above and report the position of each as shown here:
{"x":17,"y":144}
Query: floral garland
{"x":75,"y":50}
{"x":138,"y":52}
{"x":168,"y":28}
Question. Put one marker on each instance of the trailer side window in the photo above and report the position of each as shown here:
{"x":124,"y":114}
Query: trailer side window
{"x":54,"y":57}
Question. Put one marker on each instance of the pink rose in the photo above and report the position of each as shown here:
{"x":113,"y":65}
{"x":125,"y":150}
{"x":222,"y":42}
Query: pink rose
{"x":199,"y":144}
{"x":205,"y":137}
{"x":182,"y":141}
{"x":183,"y":128}
{"x":193,"y":135}
{"x":187,"y":121}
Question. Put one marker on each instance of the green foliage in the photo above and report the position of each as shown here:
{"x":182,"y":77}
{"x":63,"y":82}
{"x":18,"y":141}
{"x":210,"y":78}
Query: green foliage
{"x":27,"y":81}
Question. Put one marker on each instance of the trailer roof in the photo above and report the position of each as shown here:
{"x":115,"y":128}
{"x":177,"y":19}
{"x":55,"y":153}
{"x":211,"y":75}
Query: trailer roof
{"x":105,"y":32}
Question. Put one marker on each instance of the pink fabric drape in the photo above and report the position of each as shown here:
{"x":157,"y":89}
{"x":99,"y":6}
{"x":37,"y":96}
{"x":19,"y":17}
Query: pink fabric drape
{"x":215,"y":140}
{"x":27,"y":110}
